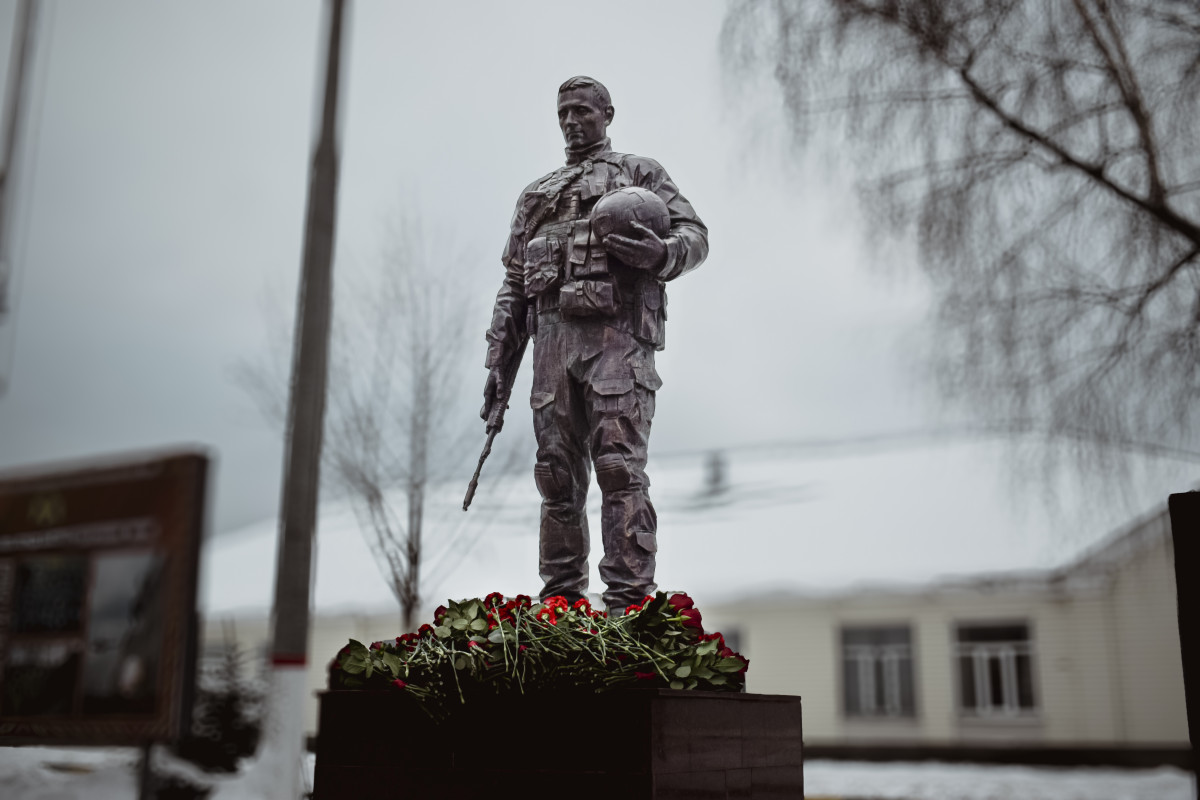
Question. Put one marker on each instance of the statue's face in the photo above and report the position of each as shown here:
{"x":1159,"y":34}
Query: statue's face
{"x":582,"y":119}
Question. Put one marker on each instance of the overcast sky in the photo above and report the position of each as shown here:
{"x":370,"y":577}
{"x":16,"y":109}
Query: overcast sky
{"x":163,"y":194}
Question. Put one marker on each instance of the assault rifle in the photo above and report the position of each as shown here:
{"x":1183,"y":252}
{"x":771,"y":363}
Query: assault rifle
{"x":495,"y":419}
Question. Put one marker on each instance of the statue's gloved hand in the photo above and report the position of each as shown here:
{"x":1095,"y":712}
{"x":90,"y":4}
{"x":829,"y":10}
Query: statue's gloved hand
{"x":648,"y":251}
{"x":492,"y":390}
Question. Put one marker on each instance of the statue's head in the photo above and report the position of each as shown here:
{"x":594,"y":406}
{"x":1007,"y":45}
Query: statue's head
{"x":584,"y":111}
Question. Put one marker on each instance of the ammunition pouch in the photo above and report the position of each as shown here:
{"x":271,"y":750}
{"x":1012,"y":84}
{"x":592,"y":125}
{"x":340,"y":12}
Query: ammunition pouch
{"x":588,"y":298}
{"x":650,"y":315}
{"x":543,"y":264}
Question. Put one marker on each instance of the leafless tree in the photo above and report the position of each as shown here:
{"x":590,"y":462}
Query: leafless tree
{"x":399,"y":421}
{"x":1045,"y":153}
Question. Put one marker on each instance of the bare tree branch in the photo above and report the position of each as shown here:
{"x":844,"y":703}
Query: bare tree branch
{"x":1043,"y":155}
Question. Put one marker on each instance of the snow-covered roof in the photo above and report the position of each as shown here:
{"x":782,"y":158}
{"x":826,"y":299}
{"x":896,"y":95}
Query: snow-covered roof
{"x":779,"y":520}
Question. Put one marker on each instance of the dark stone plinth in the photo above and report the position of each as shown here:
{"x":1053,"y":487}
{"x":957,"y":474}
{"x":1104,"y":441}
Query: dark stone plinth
{"x":653,"y":744}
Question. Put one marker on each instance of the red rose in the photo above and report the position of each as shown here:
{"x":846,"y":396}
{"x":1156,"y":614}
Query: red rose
{"x":681,"y":601}
{"x":691,"y":619}
{"x":708,"y":637}
{"x":440,"y":612}
{"x":378,"y":645}
{"x":645,"y":676}
{"x":336,"y":664}
{"x":399,"y":684}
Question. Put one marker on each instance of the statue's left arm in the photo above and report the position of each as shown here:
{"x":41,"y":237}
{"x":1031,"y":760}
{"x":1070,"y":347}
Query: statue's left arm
{"x":687,"y":241}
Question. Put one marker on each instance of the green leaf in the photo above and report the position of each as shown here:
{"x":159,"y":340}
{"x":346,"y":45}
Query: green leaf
{"x":441,"y":631}
{"x":702,"y":672}
{"x":370,"y":668}
{"x":683,"y":672}
{"x":393,"y":664}
{"x":460,"y":662}
{"x":706,"y":648}
{"x":729,"y":665}
{"x":479,"y":625}
{"x":459,"y":624}
{"x":676,"y":684}
{"x":717,"y":680}
{"x":472,"y":610}
{"x":496,"y":636}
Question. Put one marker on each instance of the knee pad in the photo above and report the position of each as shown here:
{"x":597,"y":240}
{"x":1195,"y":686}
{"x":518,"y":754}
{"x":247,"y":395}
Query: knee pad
{"x":611,"y":472}
{"x":551,"y":481}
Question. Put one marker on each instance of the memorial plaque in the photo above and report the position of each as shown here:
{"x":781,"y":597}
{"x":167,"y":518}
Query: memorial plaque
{"x":98,"y":567}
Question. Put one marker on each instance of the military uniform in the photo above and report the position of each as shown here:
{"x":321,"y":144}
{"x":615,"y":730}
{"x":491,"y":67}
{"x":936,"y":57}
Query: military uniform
{"x":596,"y":324}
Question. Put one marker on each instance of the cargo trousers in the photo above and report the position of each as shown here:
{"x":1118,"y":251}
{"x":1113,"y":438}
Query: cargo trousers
{"x":593,"y":402}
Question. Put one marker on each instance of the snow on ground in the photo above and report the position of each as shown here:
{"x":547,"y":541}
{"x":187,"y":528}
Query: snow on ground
{"x":44,"y":773}
{"x":936,"y":781}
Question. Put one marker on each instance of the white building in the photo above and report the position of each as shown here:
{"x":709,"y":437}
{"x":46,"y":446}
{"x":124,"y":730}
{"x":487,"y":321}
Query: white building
{"x":1087,"y":654}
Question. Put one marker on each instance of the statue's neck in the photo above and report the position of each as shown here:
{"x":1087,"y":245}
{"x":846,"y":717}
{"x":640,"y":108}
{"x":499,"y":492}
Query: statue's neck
{"x":591,"y":150}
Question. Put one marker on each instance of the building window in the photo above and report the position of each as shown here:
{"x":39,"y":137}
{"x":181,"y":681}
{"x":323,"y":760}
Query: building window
{"x":877,"y":671}
{"x":995,"y":670}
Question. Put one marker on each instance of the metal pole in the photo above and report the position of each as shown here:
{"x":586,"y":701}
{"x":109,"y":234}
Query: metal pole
{"x":14,"y":108}
{"x":302,"y":457}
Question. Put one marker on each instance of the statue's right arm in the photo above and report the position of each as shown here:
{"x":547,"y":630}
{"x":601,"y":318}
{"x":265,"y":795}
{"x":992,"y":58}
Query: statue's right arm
{"x":507,"y":330}
{"x":508,"y":315}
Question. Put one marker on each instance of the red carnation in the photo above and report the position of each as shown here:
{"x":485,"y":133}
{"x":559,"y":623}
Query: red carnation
{"x":425,"y":630}
{"x":522,"y":648}
{"x":472,"y":643}
{"x":681,"y":601}
{"x":399,"y":684}
{"x":378,"y":645}
{"x":523,"y":600}
{"x":645,"y":676}
{"x":493,"y":599}
{"x":582,"y":603}
{"x":440,"y":612}
{"x":632,"y":609}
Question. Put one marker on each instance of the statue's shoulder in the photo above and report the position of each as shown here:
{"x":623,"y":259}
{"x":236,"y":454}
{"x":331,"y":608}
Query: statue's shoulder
{"x":638,"y":170}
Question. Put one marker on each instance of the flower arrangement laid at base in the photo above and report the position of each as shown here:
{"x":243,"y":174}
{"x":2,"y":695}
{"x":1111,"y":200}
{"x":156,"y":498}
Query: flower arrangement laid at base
{"x":497,"y":646}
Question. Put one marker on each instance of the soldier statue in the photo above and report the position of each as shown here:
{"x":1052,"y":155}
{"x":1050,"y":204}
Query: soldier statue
{"x":590,"y":248}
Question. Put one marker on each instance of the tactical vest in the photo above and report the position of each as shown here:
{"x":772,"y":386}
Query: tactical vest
{"x":565,"y":267}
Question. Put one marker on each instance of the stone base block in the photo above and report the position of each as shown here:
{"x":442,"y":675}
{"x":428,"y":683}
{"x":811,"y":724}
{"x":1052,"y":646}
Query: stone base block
{"x":651,"y":744}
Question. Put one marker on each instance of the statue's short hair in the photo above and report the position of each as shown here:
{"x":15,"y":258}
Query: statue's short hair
{"x":599,"y":91}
